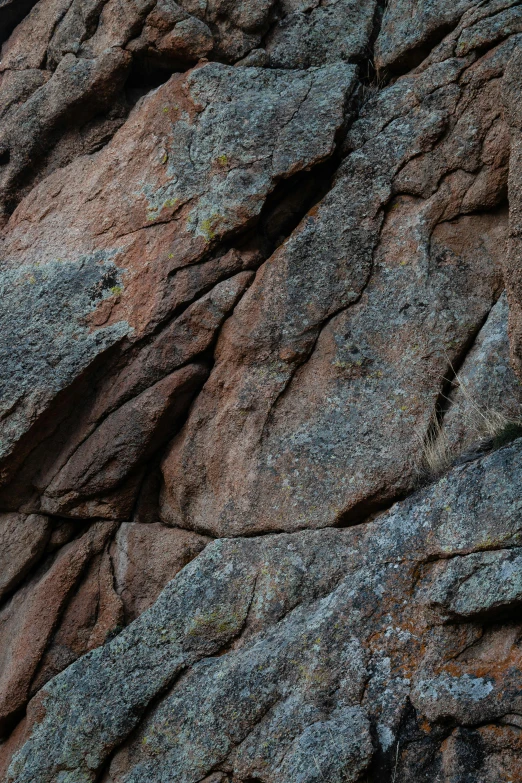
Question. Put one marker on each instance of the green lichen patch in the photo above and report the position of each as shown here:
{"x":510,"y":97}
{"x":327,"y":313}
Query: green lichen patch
{"x":208,"y":227}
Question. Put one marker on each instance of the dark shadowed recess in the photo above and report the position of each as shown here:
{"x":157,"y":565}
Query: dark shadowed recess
{"x":11,"y":13}
{"x":412,"y":753}
{"x":148,"y":74}
{"x":413,"y":57}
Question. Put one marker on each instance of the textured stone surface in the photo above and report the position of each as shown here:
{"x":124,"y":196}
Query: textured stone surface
{"x":513,"y":260}
{"x":317,"y":638}
{"x":323,"y":417}
{"x":145,"y":558}
{"x":486,"y":384}
{"x":30,"y":617}
{"x":254,"y":256}
{"x":123,"y":441}
{"x":155,"y":201}
{"x":410,"y":29}
{"x":93,"y":613}
{"x":22,"y":542}
{"x":11,"y":12}
{"x":314,"y":33}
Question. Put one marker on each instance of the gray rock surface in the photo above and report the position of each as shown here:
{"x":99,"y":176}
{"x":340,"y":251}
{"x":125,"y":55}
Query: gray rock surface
{"x":316,"y":638}
{"x":410,"y":29}
{"x":315,"y":33}
{"x":486,"y":387}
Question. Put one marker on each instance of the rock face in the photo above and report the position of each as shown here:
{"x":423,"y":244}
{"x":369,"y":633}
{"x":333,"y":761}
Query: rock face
{"x":260,"y":402}
{"x":323,"y":635}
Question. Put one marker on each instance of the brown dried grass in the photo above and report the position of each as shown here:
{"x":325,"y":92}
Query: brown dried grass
{"x":484,"y":425}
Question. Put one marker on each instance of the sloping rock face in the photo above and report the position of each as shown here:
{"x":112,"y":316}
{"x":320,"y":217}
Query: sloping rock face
{"x":303,"y":656}
{"x":260,"y":403}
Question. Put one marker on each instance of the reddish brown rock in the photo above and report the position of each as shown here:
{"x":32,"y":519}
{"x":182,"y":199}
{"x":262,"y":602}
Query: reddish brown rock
{"x":27,"y":47}
{"x":175,"y":181}
{"x":11,"y":12}
{"x":76,"y":92}
{"x":23,"y":540}
{"x":173,"y":35}
{"x":30,"y":617}
{"x":329,"y":372}
{"x":11,"y":745}
{"x":145,"y":558}
{"x":491,"y":752}
{"x":97,"y":57}
{"x":92,"y":614}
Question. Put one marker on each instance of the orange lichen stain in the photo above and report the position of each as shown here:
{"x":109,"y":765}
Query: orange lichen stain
{"x":313,"y":211}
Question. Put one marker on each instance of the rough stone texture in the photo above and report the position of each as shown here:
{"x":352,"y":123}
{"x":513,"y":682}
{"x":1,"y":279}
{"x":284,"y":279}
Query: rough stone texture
{"x":153,"y":204}
{"x":254,"y":256}
{"x":30,"y":617}
{"x":323,"y":416}
{"x":320,"y":633}
{"x":513,"y":262}
{"x":410,"y":29}
{"x":145,"y":558}
{"x":66,"y":75}
{"x":124,"y":440}
{"x":486,"y":384}
{"x":93,"y":613}
{"x":22,"y":542}
{"x":314,"y":33}
{"x":12,"y":12}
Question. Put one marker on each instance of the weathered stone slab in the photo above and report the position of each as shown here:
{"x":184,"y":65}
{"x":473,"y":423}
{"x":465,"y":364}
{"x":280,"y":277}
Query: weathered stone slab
{"x":328,"y":374}
{"x":316,"y":639}
{"x":86,"y":269}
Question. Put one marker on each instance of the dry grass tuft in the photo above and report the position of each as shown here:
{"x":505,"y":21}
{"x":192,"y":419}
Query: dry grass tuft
{"x":437,"y":454}
{"x":487,"y":430}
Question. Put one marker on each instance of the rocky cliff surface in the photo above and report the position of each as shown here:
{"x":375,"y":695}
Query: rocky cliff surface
{"x":260,"y":402}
